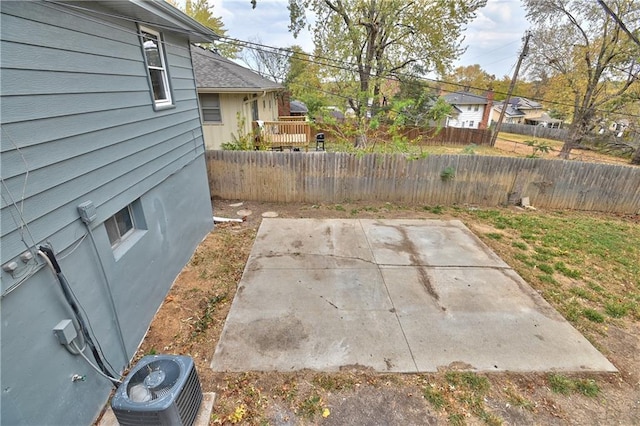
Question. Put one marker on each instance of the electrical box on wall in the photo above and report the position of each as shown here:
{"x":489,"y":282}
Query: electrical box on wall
{"x":87,"y":212}
{"x":65,"y":331}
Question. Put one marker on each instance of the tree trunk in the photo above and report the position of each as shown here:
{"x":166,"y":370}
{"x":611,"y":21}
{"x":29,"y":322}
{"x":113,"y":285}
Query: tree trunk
{"x":636,"y":157}
{"x":579,"y":128}
{"x":361,"y":140}
{"x":572,"y":139}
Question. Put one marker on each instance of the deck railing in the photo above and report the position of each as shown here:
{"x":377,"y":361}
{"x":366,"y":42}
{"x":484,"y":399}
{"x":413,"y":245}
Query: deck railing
{"x":292,"y":118}
{"x":280,"y":135}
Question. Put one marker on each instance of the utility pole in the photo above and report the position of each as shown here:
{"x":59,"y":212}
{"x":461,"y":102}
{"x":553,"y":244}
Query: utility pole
{"x":505,"y":105}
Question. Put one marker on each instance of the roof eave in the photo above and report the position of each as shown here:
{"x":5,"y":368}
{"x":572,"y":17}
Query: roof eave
{"x":238,"y":90}
{"x":198,"y":34}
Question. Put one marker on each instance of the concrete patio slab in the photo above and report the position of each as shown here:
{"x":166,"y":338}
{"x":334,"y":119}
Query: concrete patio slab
{"x":392,"y":296}
{"x":427,"y":242}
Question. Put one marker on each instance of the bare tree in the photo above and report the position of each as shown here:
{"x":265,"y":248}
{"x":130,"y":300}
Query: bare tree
{"x":581,"y":45}
{"x":272,"y":63}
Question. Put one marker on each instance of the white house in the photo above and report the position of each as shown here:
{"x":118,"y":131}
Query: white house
{"x":470,"y":111}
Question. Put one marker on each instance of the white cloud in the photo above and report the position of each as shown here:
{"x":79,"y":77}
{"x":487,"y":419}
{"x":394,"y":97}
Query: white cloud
{"x":269,"y":22}
{"x":493,"y":38}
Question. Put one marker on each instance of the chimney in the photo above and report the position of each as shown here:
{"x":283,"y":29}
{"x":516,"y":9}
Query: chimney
{"x":284,"y":104}
{"x":484,"y":124}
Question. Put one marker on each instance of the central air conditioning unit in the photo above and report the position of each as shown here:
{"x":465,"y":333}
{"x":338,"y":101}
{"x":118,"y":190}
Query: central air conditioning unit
{"x":159,"y":390}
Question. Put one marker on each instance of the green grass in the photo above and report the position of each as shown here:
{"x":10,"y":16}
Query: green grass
{"x":456,"y":419}
{"x":547,"y":269}
{"x":546,"y":278}
{"x":434,"y":396}
{"x":583,"y":294}
{"x":567,"y":272}
{"x":566,"y":386}
{"x":560,"y":384}
{"x":494,"y":235}
{"x":461,"y":392}
{"x":587,"y":387}
{"x":438,"y":209}
{"x":593,"y":315}
{"x":514,"y":398}
{"x":519,"y":245}
{"x":470,"y":381}
{"x":617,"y":309}
{"x":311,"y":406}
{"x":584,"y":264}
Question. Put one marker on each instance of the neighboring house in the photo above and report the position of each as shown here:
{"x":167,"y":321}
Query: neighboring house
{"x":511,"y":115}
{"x":545,"y":120}
{"x":99,"y":111}
{"x":619,"y":126}
{"x":231,"y":97}
{"x":470,"y":111}
{"x":519,"y":111}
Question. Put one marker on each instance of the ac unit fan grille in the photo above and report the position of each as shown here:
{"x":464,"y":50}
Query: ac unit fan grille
{"x":160,"y":390}
{"x":138,"y":418}
{"x":189,"y":400}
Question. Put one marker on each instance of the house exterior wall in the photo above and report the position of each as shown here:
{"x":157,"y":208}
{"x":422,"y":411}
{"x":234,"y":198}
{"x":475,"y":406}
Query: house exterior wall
{"x":495,"y":116}
{"x":532,"y":113}
{"x":466,"y":116}
{"x":528,"y":113}
{"x":232,"y":104}
{"x":78,"y":125}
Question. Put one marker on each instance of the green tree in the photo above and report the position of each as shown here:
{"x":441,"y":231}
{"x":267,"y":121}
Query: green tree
{"x":472,"y":77}
{"x":584,"y":51}
{"x":375,"y":39}
{"x":303,"y":80}
{"x":201,"y":11}
{"x":522,"y":88}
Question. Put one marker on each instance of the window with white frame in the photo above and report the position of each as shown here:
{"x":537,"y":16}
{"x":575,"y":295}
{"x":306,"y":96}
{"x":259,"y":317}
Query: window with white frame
{"x":471,"y":123}
{"x":120,"y":226}
{"x":156,"y":66}
{"x":126,"y":228}
{"x":210,"y":105}
{"x":476,"y":107}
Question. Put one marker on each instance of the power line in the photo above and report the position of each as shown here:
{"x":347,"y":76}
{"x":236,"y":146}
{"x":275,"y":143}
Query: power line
{"x":397,"y":76}
{"x":312,"y":58}
{"x":619,"y":21}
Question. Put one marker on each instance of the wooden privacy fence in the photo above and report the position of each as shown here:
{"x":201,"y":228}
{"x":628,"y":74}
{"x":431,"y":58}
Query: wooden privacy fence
{"x":438,"y":179}
{"x":425,"y":136}
{"x":535,"y":131}
{"x":451,"y":136}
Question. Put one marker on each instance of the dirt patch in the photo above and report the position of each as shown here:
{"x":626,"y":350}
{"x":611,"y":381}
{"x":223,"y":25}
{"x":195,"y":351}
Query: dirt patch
{"x":191,"y":319}
{"x":520,"y":149}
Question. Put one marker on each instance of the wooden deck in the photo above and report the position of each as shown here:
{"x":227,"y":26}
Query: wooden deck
{"x":282,"y":134}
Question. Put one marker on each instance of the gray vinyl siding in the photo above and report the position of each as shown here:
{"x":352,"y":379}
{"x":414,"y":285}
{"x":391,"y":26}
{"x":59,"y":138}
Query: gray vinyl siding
{"x":76,"y":99}
{"x":79,"y":124}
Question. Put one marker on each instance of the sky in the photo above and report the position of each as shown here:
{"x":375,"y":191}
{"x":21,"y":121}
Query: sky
{"x":493,"y":39}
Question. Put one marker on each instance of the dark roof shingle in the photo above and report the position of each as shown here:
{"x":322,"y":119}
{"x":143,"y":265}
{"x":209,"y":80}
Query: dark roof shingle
{"x":465,"y":98}
{"x":214,"y":71}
